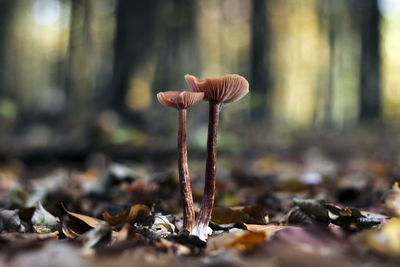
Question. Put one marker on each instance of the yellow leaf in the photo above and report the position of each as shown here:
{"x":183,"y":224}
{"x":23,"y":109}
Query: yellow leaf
{"x":115,"y":220}
{"x":386,"y":240}
{"x":136,"y":213}
{"x":247,"y":240}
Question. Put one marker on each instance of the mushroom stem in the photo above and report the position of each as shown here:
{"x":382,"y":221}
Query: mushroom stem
{"x":200,"y":228}
{"x":184,"y":179}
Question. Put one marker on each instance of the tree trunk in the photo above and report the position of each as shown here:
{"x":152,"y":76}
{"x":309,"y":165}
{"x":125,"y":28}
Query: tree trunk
{"x":80,"y":70}
{"x":331,"y":31}
{"x":5,"y":15}
{"x":260,"y":77}
{"x":370,"y":84}
{"x":134,"y":35}
{"x":178,"y":53}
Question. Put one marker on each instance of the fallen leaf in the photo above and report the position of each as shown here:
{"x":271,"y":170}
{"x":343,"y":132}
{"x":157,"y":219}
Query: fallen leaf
{"x":126,"y":232}
{"x":95,"y":238}
{"x":163,"y":224}
{"x":114,"y":220}
{"x":385,"y":241}
{"x":313,"y":208}
{"x":43,"y":221}
{"x":164,"y":227}
{"x":249,"y":214}
{"x":246,"y":240}
{"x":238,"y":241}
{"x":136,"y":213}
{"x":350,"y":219}
{"x":268,"y":230}
{"x":298,"y":217}
{"x":10,"y":221}
{"x":92,"y":222}
{"x":69,"y":231}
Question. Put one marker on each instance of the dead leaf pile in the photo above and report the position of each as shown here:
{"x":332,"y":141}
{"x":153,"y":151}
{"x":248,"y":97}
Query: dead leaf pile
{"x":304,"y":207}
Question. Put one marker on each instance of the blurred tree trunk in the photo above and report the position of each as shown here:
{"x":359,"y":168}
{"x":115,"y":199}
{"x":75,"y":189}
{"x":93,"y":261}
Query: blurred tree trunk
{"x":176,"y":44}
{"x":331,"y":31}
{"x":79,"y":72}
{"x":370,"y":84}
{"x":259,"y":77}
{"x":5,"y":14}
{"x":134,"y":32}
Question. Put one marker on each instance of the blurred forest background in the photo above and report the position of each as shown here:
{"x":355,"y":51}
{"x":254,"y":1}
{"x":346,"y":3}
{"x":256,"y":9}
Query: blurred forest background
{"x":83,"y":74}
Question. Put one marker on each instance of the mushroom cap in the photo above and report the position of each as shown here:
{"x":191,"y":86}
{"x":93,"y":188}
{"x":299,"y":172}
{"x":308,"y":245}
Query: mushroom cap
{"x":179,"y":100}
{"x":225,"y":89}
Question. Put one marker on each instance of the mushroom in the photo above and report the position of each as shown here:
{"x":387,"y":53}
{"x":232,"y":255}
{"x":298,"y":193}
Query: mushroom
{"x":225,"y":89}
{"x":181,"y":101}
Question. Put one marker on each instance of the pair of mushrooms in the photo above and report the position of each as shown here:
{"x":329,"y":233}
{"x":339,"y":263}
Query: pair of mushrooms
{"x":216,"y":91}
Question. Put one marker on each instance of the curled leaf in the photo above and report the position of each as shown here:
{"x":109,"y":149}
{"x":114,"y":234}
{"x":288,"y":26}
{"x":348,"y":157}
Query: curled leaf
{"x":90,"y":221}
{"x":298,"y":217}
{"x":136,"y":213}
{"x":69,"y":231}
{"x":348,"y":218}
{"x":163,"y":224}
{"x":114,"y":220}
{"x":43,"y":221}
{"x":313,"y":208}
{"x":96,"y":238}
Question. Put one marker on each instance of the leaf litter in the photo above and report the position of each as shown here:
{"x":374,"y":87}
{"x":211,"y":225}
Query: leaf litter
{"x":312,"y":208}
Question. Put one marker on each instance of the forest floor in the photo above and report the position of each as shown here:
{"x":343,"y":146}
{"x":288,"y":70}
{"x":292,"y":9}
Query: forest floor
{"x":309,"y":202}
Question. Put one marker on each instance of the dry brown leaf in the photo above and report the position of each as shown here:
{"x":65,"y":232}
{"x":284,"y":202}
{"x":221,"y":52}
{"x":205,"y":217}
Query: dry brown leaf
{"x":127,"y":232}
{"x":237,"y":241}
{"x":114,"y":220}
{"x":255,"y":235}
{"x":136,"y":213}
{"x":268,"y":230}
{"x":78,"y":224}
{"x":69,"y":232}
{"x":247,"y":240}
{"x":250,"y":214}
{"x":92,"y":222}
